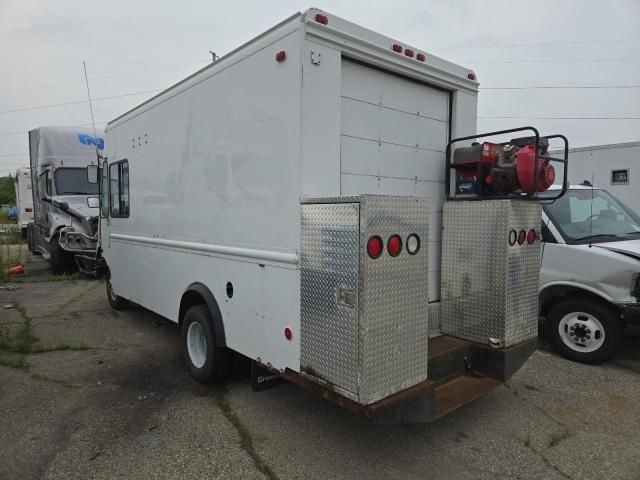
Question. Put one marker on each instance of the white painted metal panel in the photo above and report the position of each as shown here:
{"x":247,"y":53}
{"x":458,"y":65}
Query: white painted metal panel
{"x":218,"y":165}
{"x":363,"y":83}
{"x":394,"y":135}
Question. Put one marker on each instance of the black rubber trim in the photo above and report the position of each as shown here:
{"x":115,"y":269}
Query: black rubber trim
{"x":212,"y":304}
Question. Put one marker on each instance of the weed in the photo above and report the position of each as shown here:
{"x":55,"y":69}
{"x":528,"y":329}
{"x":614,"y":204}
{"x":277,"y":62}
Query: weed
{"x":14,"y":361}
{"x":246,"y":442}
{"x":557,"y":437}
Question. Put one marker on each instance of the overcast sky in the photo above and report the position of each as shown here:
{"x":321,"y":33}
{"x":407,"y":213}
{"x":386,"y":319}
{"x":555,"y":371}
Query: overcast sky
{"x":136,"y":47}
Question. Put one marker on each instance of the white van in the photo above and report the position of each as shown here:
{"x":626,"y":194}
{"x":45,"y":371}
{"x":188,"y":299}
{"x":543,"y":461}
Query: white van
{"x":24,"y":199}
{"x":290,"y":203}
{"x":590,"y":277}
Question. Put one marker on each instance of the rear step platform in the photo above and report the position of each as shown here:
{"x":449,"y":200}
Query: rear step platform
{"x":459,"y":372}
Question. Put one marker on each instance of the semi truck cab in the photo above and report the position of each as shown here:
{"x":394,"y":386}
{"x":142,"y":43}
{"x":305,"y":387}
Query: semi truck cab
{"x":65,"y":203}
{"x":590,"y":275}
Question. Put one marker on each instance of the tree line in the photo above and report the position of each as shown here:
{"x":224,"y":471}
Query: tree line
{"x":7,"y":191}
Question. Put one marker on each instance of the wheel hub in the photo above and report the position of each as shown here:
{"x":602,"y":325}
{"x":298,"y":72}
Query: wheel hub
{"x":196,"y":345}
{"x":581,"y":332}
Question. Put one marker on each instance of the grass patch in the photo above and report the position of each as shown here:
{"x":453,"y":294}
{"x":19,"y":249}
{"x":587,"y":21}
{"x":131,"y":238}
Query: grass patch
{"x":15,"y":361}
{"x":246,"y":441}
{"x":557,"y":437}
{"x":24,"y":342}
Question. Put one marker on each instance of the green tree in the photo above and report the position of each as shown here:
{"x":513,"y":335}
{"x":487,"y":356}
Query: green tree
{"x":7,"y":191}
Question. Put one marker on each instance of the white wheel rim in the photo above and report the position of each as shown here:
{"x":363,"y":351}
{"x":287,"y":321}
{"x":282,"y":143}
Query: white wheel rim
{"x":581,"y":332}
{"x":196,"y":345}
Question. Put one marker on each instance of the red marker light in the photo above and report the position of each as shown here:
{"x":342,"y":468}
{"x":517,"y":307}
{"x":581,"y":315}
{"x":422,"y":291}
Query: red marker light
{"x":394,"y":245}
{"x":522,"y":237}
{"x":281,"y":55}
{"x":531,"y":236}
{"x":471,"y":76}
{"x":375,"y":247}
{"x":408,"y":52}
{"x":28,"y":210}
{"x":288,"y":334}
{"x":396,"y":48}
{"x":322,"y":19}
{"x":421,"y":57}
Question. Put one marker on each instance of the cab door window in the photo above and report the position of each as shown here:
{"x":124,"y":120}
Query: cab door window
{"x":119,"y":189}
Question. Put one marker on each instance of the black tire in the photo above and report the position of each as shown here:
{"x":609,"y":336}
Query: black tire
{"x":613,"y":330}
{"x":61,"y":261}
{"x":115,"y":300}
{"x":217,"y":360}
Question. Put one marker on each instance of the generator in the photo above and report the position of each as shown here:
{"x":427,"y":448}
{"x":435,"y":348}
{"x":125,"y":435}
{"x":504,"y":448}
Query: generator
{"x":520,"y":165}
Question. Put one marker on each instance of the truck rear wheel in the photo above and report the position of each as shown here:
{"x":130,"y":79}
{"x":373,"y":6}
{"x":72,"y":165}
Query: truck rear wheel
{"x":61,"y":261}
{"x":205,"y":361}
{"x":115,"y":300}
{"x":584,"y":330}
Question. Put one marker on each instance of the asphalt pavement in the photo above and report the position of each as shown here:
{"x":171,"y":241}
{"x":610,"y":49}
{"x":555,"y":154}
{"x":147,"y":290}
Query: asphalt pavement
{"x":104,"y":394}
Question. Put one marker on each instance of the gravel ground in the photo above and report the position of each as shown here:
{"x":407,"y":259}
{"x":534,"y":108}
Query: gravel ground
{"x":107,"y":397}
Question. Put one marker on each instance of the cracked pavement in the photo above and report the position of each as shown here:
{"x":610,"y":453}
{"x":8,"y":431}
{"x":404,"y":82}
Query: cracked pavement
{"x":122,"y":406}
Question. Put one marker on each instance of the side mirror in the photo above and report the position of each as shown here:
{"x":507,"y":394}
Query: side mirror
{"x":92,"y":174}
{"x":93,"y":202}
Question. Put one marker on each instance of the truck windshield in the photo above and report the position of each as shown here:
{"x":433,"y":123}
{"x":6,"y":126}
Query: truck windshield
{"x":73,"y":181}
{"x":593,"y":216}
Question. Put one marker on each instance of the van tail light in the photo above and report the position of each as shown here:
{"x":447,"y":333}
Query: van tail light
{"x":531,"y":236}
{"x":394,"y":245}
{"x":28,"y":210}
{"x":413,"y":244}
{"x":522,"y":236}
{"x":375,"y":247}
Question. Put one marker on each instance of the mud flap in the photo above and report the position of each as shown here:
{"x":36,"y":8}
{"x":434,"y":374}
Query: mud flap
{"x":263,"y":379}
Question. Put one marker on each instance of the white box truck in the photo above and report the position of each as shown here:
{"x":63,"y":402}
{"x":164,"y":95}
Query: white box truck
{"x":289,"y":203}
{"x":24,"y":199}
{"x":614,"y":167}
{"x":65,"y":204}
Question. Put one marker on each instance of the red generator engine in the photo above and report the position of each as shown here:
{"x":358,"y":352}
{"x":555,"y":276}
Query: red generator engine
{"x":503,"y":168}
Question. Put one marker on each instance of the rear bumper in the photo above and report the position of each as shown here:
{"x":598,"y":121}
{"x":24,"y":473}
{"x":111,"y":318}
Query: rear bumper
{"x":460,"y":371}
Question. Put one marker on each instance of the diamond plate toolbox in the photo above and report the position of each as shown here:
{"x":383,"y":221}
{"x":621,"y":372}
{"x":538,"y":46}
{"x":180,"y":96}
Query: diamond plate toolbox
{"x":364,"y":321}
{"x":490,"y":286}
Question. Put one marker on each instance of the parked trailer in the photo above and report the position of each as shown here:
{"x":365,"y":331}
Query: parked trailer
{"x":65,"y":204}
{"x":288,"y":203}
{"x":24,"y":199}
{"x":614,"y":167}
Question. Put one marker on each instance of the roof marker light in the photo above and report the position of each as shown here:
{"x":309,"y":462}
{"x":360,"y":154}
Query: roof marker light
{"x":421,"y":57}
{"x":281,"y":55}
{"x":471,"y":76}
{"x":321,"y":19}
{"x":396,"y":48}
{"x":408,"y":52}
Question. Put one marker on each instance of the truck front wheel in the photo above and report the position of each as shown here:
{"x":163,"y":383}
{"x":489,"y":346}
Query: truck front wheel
{"x":584,"y":330}
{"x":115,"y":300}
{"x":205,"y":361}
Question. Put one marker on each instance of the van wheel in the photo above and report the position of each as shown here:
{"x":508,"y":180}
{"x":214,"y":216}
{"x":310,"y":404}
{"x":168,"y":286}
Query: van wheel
{"x":584,"y":330}
{"x":205,"y":361}
{"x":61,"y":261}
{"x":115,"y":300}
